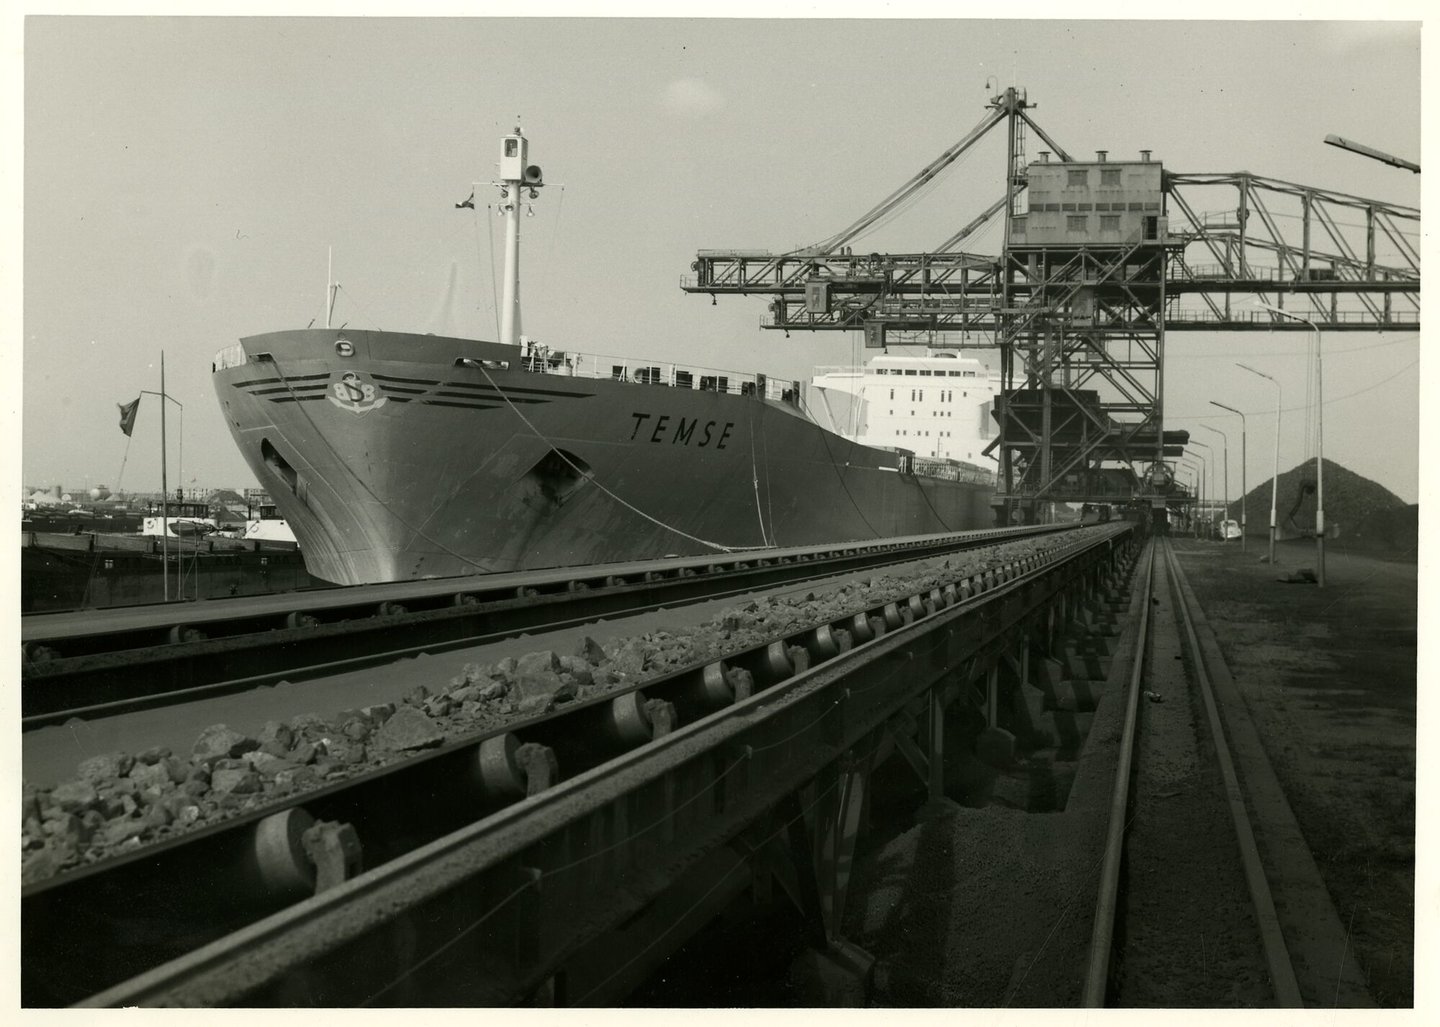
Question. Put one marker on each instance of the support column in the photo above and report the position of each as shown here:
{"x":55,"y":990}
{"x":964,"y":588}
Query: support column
{"x":992,"y":696}
{"x":834,"y":971}
{"x":935,"y":750}
{"x":936,"y":803}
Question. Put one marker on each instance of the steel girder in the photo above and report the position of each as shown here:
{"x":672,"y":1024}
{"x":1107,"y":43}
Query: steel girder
{"x":1085,"y":348}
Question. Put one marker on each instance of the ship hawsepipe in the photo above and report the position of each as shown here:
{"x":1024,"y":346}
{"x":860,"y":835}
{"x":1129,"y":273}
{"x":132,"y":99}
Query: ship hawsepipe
{"x":396,"y":456}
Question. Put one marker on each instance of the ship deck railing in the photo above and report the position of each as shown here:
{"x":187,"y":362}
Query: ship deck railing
{"x":1399,"y":318}
{"x":230,"y":356}
{"x":570,"y":364}
{"x":850,"y":370}
{"x":951,"y":470}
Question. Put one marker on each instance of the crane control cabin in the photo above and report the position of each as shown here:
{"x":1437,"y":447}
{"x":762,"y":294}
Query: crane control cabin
{"x":1084,"y":272}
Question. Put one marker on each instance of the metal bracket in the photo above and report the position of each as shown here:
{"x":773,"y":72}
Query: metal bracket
{"x":334,"y":848}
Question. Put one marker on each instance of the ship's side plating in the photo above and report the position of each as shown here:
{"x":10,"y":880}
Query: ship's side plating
{"x":398,"y":456}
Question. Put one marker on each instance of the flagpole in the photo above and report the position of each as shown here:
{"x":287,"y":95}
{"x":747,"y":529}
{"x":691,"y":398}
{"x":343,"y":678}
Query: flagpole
{"x":164,"y":490}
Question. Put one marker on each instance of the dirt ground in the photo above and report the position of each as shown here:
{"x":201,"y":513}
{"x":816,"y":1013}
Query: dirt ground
{"x":1329,"y":676}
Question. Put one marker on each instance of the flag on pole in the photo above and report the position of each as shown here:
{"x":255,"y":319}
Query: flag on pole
{"x":127,"y":415}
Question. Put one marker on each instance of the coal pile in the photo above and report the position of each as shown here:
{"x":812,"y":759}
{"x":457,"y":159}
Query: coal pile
{"x":1367,"y":515}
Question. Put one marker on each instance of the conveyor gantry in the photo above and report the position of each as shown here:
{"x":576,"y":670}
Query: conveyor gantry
{"x":1101,"y":260}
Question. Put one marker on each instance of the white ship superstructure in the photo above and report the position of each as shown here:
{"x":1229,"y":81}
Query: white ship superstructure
{"x":937,"y":405}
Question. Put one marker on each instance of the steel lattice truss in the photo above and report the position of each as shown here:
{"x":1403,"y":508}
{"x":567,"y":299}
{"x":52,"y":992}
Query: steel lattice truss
{"x":1081,"y":328}
{"x":1081,"y":372}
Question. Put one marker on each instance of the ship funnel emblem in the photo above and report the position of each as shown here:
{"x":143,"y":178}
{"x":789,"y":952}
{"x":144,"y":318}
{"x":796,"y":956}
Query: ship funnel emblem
{"x":354,"y":391}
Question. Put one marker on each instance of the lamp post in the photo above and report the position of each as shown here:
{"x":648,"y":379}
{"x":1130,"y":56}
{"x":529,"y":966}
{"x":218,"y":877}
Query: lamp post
{"x":1181,"y":468}
{"x":1203,"y":490}
{"x":1319,"y":443}
{"x":1205,"y":467}
{"x":1197,"y":484}
{"x":165,"y":492}
{"x":1276,"y":478}
{"x":1225,"y":487}
{"x":1243,"y":493}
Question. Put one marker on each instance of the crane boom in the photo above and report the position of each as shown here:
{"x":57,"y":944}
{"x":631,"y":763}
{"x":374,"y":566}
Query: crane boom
{"x":1370,"y":151}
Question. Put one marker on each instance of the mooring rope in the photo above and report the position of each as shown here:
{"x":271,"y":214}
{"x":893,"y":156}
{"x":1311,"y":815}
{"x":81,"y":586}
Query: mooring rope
{"x":359,"y":481}
{"x":594,"y":481}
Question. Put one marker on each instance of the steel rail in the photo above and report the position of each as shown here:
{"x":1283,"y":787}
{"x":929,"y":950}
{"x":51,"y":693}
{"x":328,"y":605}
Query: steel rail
{"x":91,"y":632}
{"x":1272,"y":936}
{"x":1102,"y":936}
{"x":779,"y":671}
{"x":106,"y":684}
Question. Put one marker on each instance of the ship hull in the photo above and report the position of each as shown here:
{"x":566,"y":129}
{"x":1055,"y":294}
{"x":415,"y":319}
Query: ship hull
{"x":413,"y":456}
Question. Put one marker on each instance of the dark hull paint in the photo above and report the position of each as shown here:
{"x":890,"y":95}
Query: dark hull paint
{"x":434,"y":473}
{"x":67,"y":579}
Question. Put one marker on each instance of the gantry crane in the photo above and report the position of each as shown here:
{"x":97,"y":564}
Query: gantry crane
{"x":1100,"y":260}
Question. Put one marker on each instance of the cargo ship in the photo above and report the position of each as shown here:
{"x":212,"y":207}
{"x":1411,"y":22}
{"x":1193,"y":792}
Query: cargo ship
{"x":395,"y":455}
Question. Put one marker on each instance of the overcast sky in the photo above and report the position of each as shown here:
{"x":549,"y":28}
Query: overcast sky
{"x":183,"y":178}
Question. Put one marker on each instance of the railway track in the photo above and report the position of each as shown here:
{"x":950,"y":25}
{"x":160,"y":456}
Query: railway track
{"x":91,"y":663}
{"x":1186,"y":914}
{"x":539,"y":849}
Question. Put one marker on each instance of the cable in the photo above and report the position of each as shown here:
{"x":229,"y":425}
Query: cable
{"x":899,"y":671}
{"x":440,"y":950}
{"x":494,"y":289}
{"x":591,"y":478}
{"x":905,"y":204}
{"x":835,"y":466}
{"x":124,"y":459}
{"x":1347,"y":224}
{"x":932,"y":506}
{"x":363,"y":312}
{"x":1288,"y":410}
{"x":825,"y":794}
{"x":1403,"y":340}
{"x":475,"y":223}
{"x":755,"y":483}
{"x":926,"y":175}
{"x":555,"y":229}
{"x":769,"y":537}
{"x":360,"y":481}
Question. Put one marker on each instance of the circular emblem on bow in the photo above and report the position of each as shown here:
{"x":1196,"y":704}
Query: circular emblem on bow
{"x":354,"y":391}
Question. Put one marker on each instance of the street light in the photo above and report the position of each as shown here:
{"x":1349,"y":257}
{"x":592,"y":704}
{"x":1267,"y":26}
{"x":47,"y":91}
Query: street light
{"x":1209,"y":485}
{"x":1225,"y":490}
{"x":1274,"y":480}
{"x":1204,"y":471}
{"x":1197,"y":485}
{"x":1319,"y":442}
{"x":1194,"y":490}
{"x":1243,"y":493}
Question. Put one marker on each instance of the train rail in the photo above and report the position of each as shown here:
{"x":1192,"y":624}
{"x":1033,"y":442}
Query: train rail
{"x":540,"y":851}
{"x":101,"y":663}
{"x":1146,"y":914}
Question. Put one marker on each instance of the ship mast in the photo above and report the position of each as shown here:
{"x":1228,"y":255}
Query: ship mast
{"x":330,"y":286}
{"x":517,"y":176}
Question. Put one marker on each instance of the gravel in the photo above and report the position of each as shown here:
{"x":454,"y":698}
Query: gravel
{"x":119,"y":801}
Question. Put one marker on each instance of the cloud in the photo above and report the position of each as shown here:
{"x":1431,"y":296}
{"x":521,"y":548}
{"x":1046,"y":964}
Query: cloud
{"x":692,"y":98}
